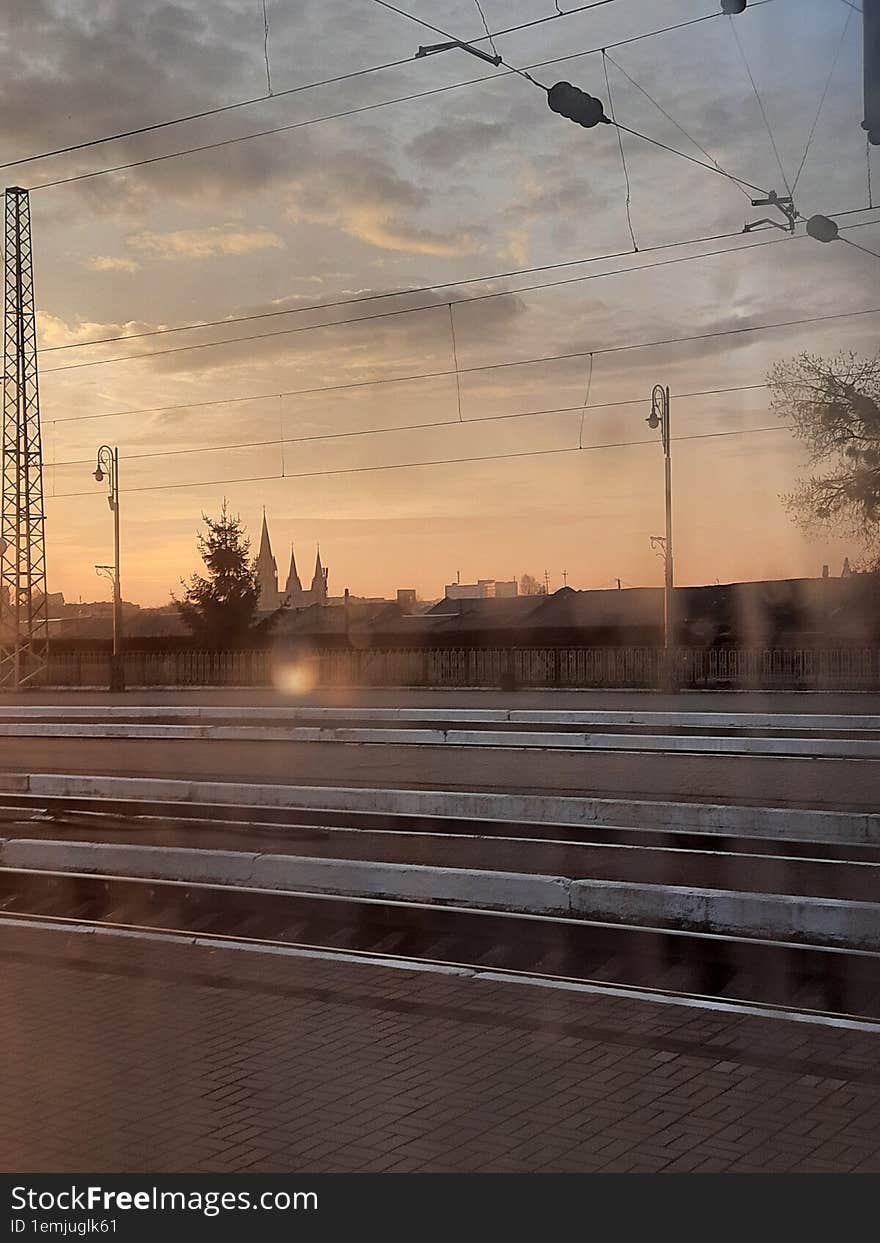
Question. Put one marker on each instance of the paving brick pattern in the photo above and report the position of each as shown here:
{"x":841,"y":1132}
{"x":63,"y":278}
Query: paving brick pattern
{"x":128,"y":1056}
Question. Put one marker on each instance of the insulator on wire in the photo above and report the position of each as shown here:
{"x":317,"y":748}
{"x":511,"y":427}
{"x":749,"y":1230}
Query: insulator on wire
{"x":571,"y":102}
{"x":822,"y":229}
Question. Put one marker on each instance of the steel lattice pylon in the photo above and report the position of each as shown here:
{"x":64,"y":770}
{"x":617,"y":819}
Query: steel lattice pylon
{"x":24,"y":625}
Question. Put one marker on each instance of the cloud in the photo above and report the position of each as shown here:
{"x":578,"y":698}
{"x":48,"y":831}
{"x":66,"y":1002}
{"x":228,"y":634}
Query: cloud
{"x":112,"y":263}
{"x":516,"y":247}
{"x":53,"y":330}
{"x":364,"y":197}
{"x":205,"y":243}
{"x":444,"y":145}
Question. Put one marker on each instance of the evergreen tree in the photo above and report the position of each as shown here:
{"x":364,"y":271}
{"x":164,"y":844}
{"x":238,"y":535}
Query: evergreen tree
{"x":219,"y":608}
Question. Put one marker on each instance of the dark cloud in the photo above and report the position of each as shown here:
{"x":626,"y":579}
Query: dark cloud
{"x":442,"y":146}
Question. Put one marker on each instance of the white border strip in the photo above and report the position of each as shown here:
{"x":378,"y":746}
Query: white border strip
{"x":477,"y":976}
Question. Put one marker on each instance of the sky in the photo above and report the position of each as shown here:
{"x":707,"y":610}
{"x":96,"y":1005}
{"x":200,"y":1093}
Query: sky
{"x":480,"y":180}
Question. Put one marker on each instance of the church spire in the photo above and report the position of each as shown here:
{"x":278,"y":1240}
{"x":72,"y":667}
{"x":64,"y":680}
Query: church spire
{"x":267,"y":570}
{"x":265,"y":543}
{"x":294,"y":586}
{"x":319,"y":580}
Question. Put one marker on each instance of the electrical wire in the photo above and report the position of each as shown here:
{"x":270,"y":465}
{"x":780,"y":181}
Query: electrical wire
{"x":266,"y":47}
{"x":230,"y":142}
{"x":586,"y":402}
{"x":868,"y":172}
{"x":433,"y":306}
{"x":712,"y":168}
{"x":455,"y":361}
{"x":551,"y":358}
{"x":628,"y":201}
{"x":206,"y":112}
{"x":424,"y":94}
{"x":438,"y":286}
{"x":708,"y":154}
{"x":438,"y":30}
{"x":231,"y":401}
{"x":293,"y":90}
{"x":812,"y":133}
{"x":490,"y":457}
{"x":415,"y":427}
{"x":865,"y":250}
{"x":748,"y":68}
{"x":605,"y":349}
{"x":437,"y":306}
{"x":385,"y":4}
{"x":489,"y":35}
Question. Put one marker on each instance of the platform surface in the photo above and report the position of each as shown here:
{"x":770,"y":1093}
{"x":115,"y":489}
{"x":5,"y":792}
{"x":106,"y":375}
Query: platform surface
{"x":144,"y":1056}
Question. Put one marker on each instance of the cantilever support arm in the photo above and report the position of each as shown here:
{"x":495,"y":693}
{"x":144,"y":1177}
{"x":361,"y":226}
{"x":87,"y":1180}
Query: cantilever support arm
{"x":432,"y":48}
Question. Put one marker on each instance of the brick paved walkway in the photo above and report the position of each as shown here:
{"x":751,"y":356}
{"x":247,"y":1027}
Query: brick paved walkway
{"x":136,"y":1056}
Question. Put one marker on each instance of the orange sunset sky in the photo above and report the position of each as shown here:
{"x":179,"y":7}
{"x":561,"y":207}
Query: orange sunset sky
{"x":476,"y":181}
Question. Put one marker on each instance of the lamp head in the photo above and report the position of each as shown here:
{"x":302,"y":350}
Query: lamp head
{"x":99,"y":474}
{"x":653,"y":419}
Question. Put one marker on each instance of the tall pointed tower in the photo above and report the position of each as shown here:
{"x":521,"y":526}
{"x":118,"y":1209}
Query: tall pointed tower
{"x":293,"y":589}
{"x":267,"y":570}
{"x":319,"y":581}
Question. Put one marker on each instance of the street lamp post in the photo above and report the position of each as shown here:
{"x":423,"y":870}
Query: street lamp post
{"x":659,"y":417}
{"x":108,"y":468}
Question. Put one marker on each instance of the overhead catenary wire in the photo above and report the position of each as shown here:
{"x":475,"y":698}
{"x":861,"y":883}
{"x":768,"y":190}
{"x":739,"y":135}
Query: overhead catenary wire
{"x":295,"y":90}
{"x":266,"y":46}
{"x":708,"y":154}
{"x":432,"y":425}
{"x":520,"y":362}
{"x":822,"y":98}
{"x":333,"y":116}
{"x":489,"y":34}
{"x":361,"y":319}
{"x":868,"y":172}
{"x":712,"y":168}
{"x":645,"y":137}
{"x":586,"y":401}
{"x":398,"y":312}
{"x":334,"y":435}
{"x":628,"y":200}
{"x":438,"y":30}
{"x":231,"y":401}
{"x":865,"y":249}
{"x":489,"y":457}
{"x":437,"y":287}
{"x":757,"y":93}
{"x":455,"y":361}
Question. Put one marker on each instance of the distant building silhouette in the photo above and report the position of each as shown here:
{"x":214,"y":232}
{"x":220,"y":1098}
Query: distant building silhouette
{"x":293,"y":596}
{"x":482,"y":589}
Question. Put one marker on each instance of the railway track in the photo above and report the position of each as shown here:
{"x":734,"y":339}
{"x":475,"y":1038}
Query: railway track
{"x":806,"y":979}
{"x":853,"y":737}
{"x":202,"y":819}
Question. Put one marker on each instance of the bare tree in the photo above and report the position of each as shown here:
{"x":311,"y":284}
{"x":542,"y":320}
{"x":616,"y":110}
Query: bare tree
{"x":833,"y":406}
{"x":530,"y":586}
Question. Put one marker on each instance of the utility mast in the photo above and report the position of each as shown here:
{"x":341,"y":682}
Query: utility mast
{"x":24,"y":624}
